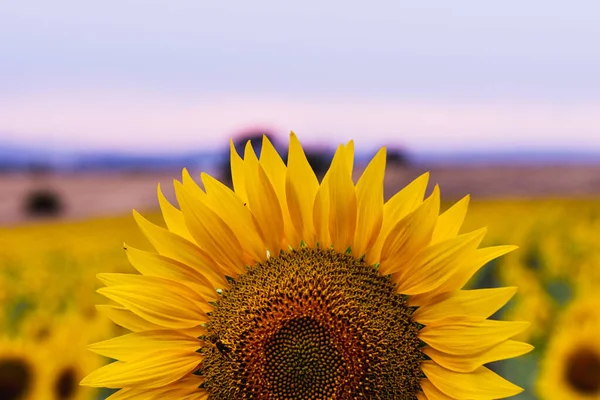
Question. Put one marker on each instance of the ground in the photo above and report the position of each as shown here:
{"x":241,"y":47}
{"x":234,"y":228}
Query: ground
{"x":104,"y":194}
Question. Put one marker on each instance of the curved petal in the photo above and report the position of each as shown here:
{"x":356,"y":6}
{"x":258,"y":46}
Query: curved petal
{"x":212,"y":234}
{"x":134,"y":345}
{"x":173,"y":246}
{"x":410,"y":235}
{"x":301,"y":188}
{"x":369,"y":194}
{"x":148,"y":371}
{"x":468,"y":363}
{"x":463,"y":337}
{"x":434,"y":265}
{"x":481,"y":384}
{"x":399,"y":206}
{"x":173,"y":217}
{"x":477,"y":304}
{"x":342,"y":203}
{"x":450,"y":221}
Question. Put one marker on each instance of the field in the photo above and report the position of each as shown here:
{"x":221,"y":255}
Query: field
{"x":48,"y":283}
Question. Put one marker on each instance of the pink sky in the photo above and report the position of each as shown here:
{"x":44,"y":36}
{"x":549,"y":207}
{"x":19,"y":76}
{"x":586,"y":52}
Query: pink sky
{"x":152,"y":121}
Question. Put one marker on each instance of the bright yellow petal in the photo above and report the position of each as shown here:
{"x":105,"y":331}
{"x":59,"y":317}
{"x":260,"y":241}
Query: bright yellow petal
{"x":212,"y":234}
{"x":450,"y":221}
{"x":276,"y":171}
{"x":173,"y":217}
{"x":177,"y":248}
{"x":481,"y":384}
{"x":433,"y":393}
{"x":472,"y":304}
{"x":265,"y":207}
{"x":125,"y":318}
{"x":301,"y":189}
{"x":158,"y":304}
{"x":342,"y":203}
{"x":152,"y":264}
{"x":399,"y":206}
{"x":148,"y":371}
{"x":238,"y":175}
{"x":410,"y":235}
{"x":369,"y":193}
{"x":463,"y":337}
{"x":468,"y":363}
{"x":237,"y":216}
{"x":434,"y":265}
{"x":479,"y":258}
{"x":133,"y":345}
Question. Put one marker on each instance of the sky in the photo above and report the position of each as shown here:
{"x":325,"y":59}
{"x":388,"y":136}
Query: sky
{"x":151,"y":75}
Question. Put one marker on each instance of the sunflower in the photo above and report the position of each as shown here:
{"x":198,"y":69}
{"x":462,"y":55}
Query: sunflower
{"x":287,"y":288}
{"x":66,"y":360}
{"x":570,"y":368}
{"x":21,"y":373}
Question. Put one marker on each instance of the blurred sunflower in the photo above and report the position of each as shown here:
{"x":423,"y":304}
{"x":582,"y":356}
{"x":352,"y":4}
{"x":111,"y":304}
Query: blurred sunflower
{"x":571,"y":365}
{"x":287,"y":288}
{"x":21,"y":372}
{"x":66,"y":359}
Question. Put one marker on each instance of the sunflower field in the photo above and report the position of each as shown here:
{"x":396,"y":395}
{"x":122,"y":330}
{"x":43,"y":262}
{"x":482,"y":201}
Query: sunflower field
{"x":48,"y":295}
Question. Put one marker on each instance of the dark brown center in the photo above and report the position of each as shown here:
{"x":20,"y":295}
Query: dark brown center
{"x":15,"y":378}
{"x":582,"y":371}
{"x":312,"y":324}
{"x":66,"y":384}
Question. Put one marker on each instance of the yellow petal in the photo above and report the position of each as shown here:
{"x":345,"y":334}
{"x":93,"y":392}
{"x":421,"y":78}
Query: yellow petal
{"x":450,"y":221}
{"x":433,"y":393}
{"x":237,"y":216}
{"x":133,"y":345}
{"x":120,"y":279}
{"x":369,"y":193}
{"x":173,"y":217}
{"x":321,"y":214}
{"x":434,"y":265}
{"x":182,"y":389}
{"x":212,"y":234}
{"x":238,"y":176}
{"x":399,"y":206}
{"x":177,"y":248}
{"x":464,"y":273}
{"x":148,"y":371}
{"x":152,"y":264}
{"x":265,"y":207}
{"x":468,"y":363}
{"x":349,"y":155}
{"x":342,"y":203}
{"x":462,"y":337}
{"x":301,"y":188}
{"x":410,"y":235}
{"x":161,"y":305}
{"x":478,"y":304}
{"x":275,"y":170}
{"x":481,"y":384}
{"x":125,"y":318}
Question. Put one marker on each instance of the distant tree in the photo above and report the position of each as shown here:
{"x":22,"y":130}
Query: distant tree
{"x":319,"y":160}
{"x":397,"y":157}
{"x":43,"y":203}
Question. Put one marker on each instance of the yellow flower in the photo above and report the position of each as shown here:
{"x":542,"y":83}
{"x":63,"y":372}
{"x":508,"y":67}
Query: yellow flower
{"x":570,"y":368}
{"x":290,"y":288}
{"x":21,"y":371}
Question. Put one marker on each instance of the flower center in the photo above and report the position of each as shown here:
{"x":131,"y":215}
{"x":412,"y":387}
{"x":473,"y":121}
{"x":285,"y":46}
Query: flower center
{"x":311,"y":324}
{"x":15,"y":377}
{"x":583,"y":372}
{"x":66,"y":384}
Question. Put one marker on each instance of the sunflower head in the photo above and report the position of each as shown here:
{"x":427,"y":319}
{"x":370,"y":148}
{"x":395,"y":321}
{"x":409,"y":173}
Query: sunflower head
{"x":290,"y":287}
{"x":571,"y":364}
